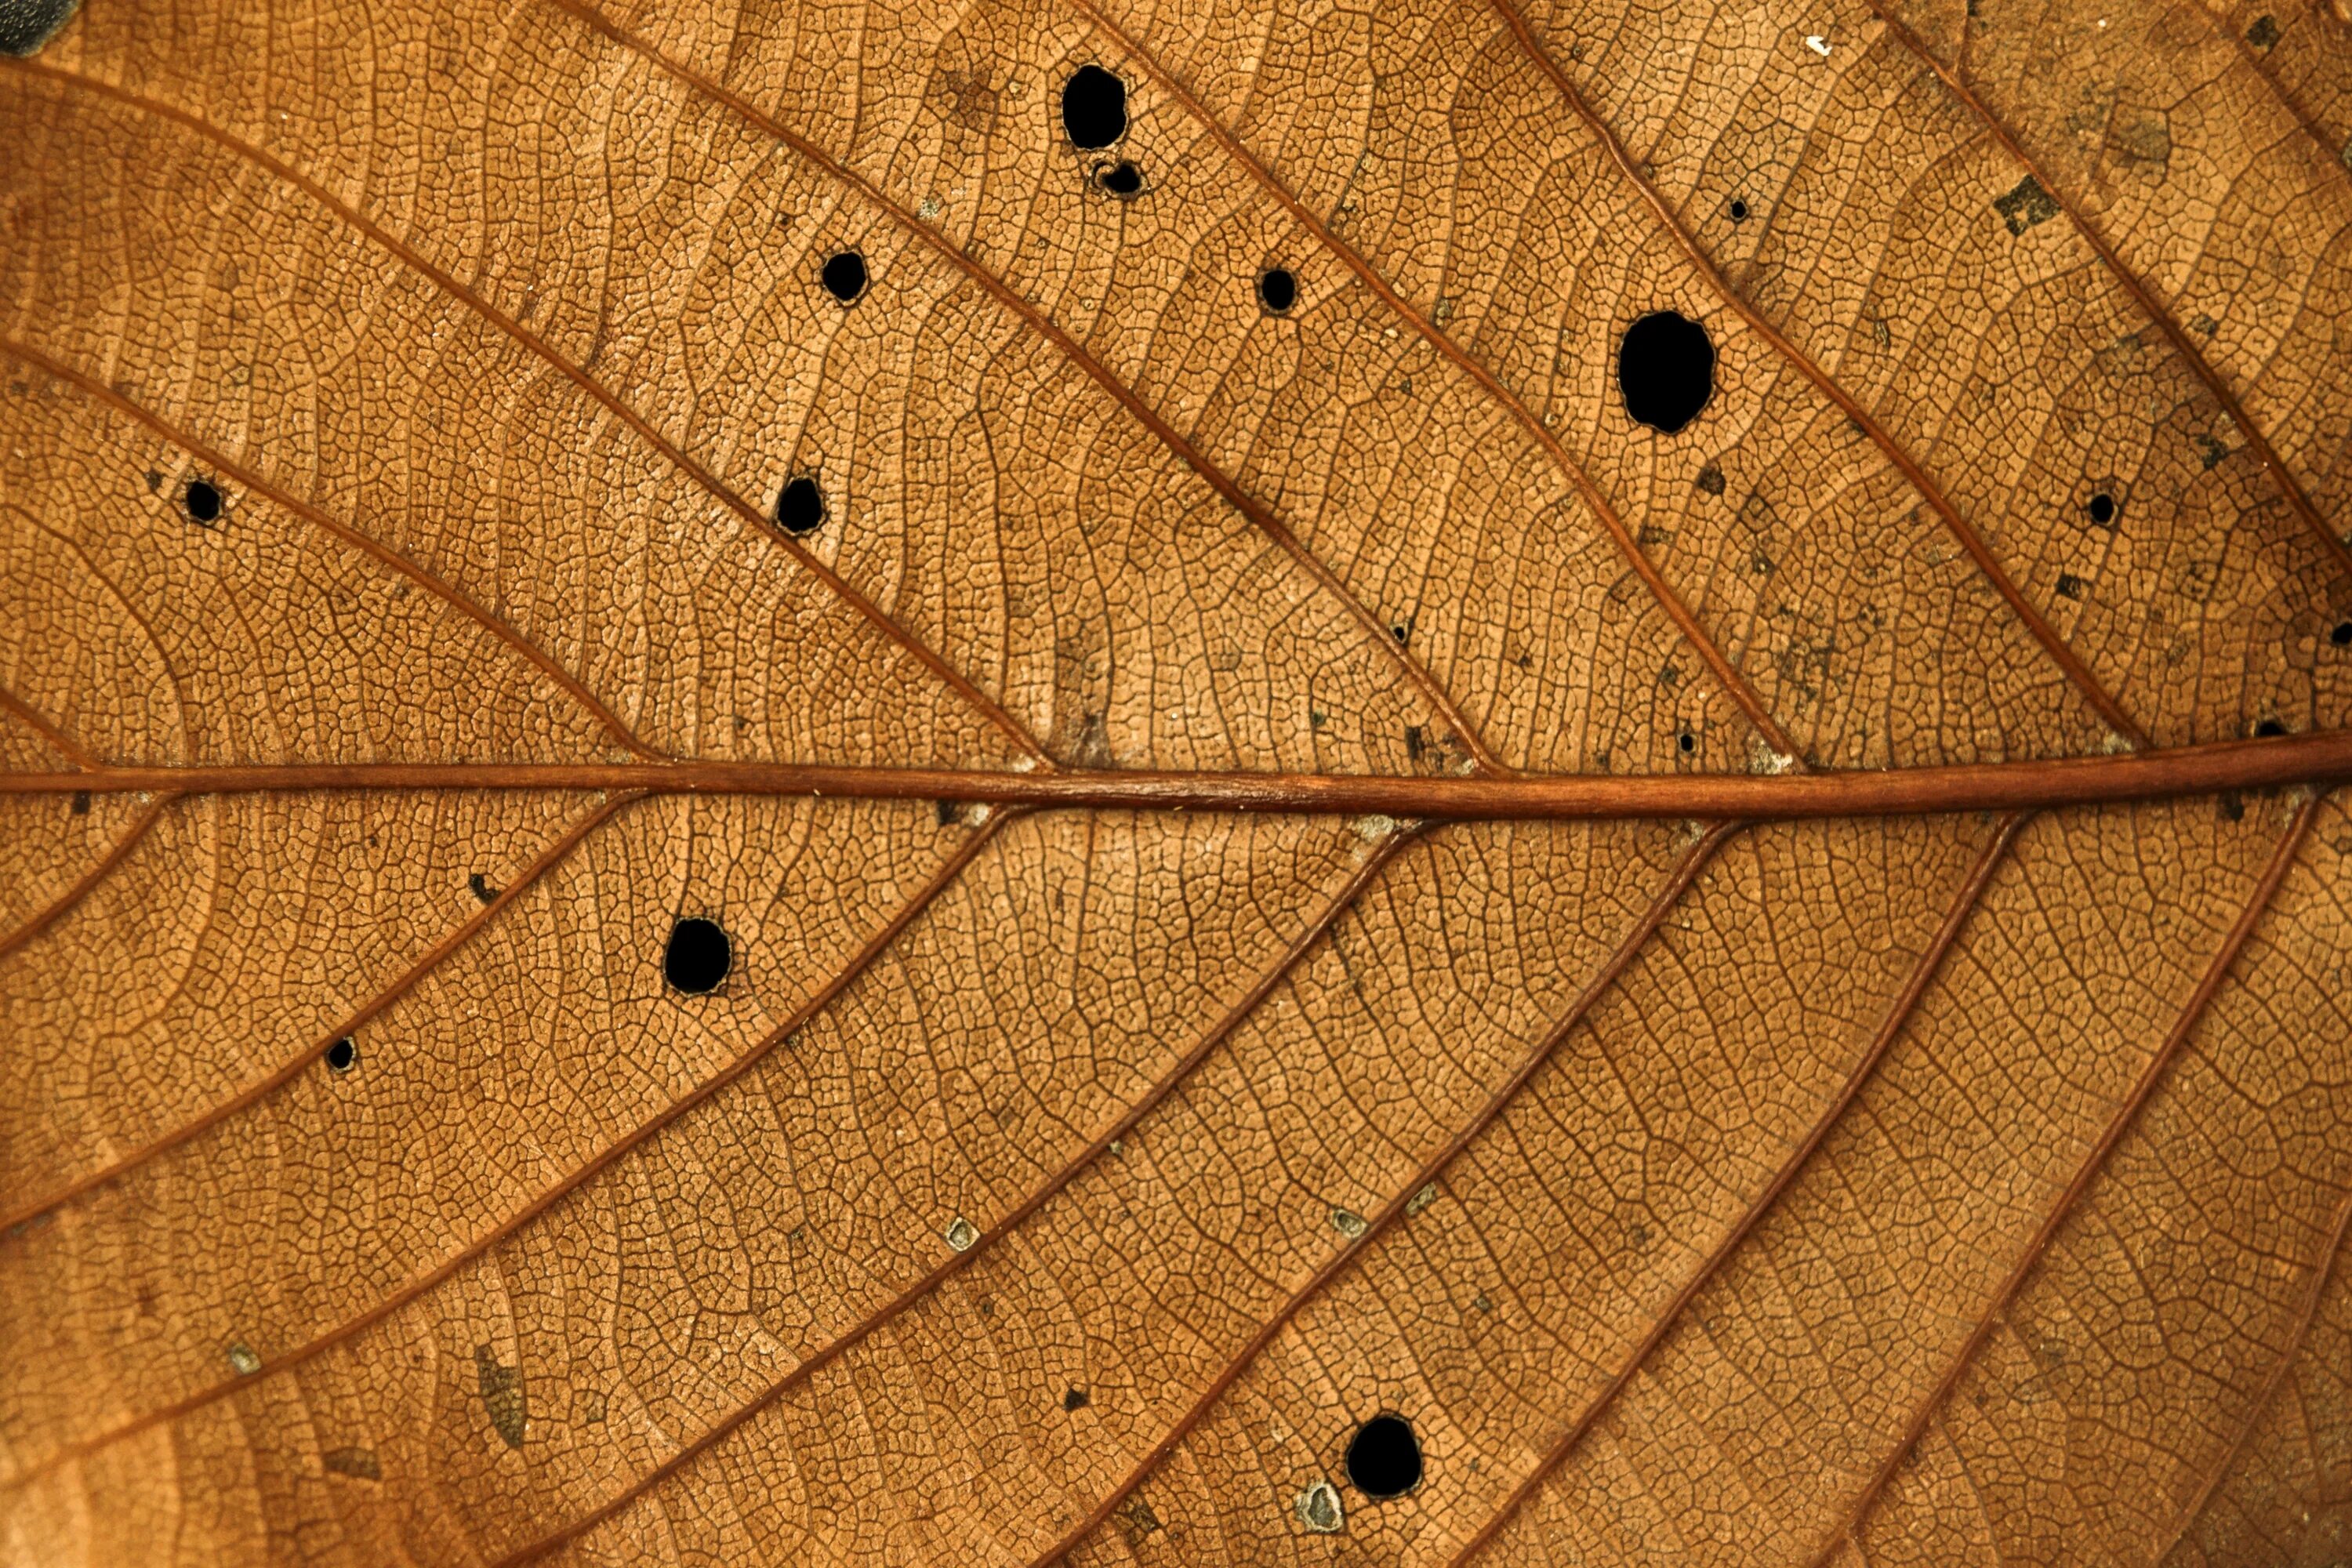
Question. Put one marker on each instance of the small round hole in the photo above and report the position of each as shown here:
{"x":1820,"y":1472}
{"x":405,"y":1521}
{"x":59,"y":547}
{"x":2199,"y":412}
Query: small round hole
{"x":800,"y":507}
{"x":1665,"y":368}
{"x":697,"y":957}
{"x":204,"y":500}
{"x":1277,"y":288}
{"x":1121,"y":179}
{"x":1738,"y":210}
{"x":343,"y":1054}
{"x":1094,"y":108}
{"x":1384,"y":1457}
{"x":2342,"y":636}
{"x":844,"y":276}
{"x":2270,"y":729}
{"x":1687,"y":741}
{"x":2102,"y":508}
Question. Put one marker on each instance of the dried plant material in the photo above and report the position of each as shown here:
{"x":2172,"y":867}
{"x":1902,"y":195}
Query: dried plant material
{"x":1017,"y":783}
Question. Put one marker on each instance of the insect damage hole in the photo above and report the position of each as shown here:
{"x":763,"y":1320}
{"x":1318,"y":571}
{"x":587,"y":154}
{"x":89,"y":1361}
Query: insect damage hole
{"x":2269,"y":729}
{"x":1121,"y":179}
{"x":2342,"y":633}
{"x":2102,"y":508}
{"x":800,"y":506}
{"x":844,"y":276}
{"x":203,"y":500}
{"x":1094,"y":108}
{"x":1665,"y":368}
{"x":1384,"y":1457}
{"x":343,"y":1055}
{"x":697,"y":957}
{"x":1277,"y":289}
{"x":1738,"y":210}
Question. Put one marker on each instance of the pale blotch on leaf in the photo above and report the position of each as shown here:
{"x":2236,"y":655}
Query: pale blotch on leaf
{"x":1319,"y":1509}
{"x":242,"y":1359}
{"x":1348,"y":1223}
{"x":962,"y":1233}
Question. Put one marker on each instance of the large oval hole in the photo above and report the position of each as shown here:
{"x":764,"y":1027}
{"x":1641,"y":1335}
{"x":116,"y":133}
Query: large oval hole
{"x":697,"y":957}
{"x":1094,"y":108}
{"x":1384,"y":1457}
{"x":1665,"y":368}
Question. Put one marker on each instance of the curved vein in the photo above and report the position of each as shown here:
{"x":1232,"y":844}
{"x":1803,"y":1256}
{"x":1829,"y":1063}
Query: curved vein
{"x":876,"y":945}
{"x":2028,"y":615}
{"x":41,"y":921}
{"x":2126,"y":1114}
{"x":2305,"y":1316}
{"x":1678,"y":881}
{"x":449,"y":594}
{"x":454,"y":289}
{"x":458,"y":935}
{"x":2329,"y":153}
{"x":1898,"y":1016}
{"x":2139,"y":291}
{"x":1727,"y":674}
{"x":843,"y":1343}
{"x":1071,"y":350}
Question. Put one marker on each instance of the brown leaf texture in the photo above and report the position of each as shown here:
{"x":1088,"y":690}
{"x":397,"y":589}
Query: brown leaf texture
{"x":1775,"y":989}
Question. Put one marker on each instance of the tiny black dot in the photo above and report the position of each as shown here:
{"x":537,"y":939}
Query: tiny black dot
{"x":800,"y":507}
{"x":2103,"y":508}
{"x":1665,"y":368}
{"x":1384,"y":1457}
{"x":1738,"y":210}
{"x":1277,"y":288}
{"x":2342,"y":636}
{"x":1121,"y":179}
{"x":697,"y":957}
{"x":844,"y":276}
{"x":204,"y":500}
{"x":1094,"y":108}
{"x":1687,"y":741}
{"x":343,"y":1054}
{"x":2270,"y":729}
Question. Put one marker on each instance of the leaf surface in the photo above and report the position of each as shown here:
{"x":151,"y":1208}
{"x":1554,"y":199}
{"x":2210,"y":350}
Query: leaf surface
{"x":1774,"y":989}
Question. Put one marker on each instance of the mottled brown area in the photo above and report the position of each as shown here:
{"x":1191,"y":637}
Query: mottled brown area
{"x":394,"y":403}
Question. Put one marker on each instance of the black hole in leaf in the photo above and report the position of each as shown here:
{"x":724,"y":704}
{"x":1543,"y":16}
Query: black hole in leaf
{"x":1384,"y":1457}
{"x":697,"y":957}
{"x":204,"y":500}
{"x":800,"y":507}
{"x":1121,"y":179}
{"x":1687,"y":741}
{"x":1738,"y":210}
{"x":1094,"y":108}
{"x":2270,"y":729}
{"x":2342,"y":636}
{"x":1665,"y":367}
{"x":2103,"y":508}
{"x":1277,"y":288}
{"x":844,"y":275}
{"x":343,"y":1054}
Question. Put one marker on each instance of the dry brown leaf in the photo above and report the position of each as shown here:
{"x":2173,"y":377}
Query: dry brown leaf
{"x":1778,"y":992}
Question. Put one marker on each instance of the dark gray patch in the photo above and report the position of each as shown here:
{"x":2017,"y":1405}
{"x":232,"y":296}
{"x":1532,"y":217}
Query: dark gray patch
{"x":81,"y":803}
{"x":2069,"y":586}
{"x":1710,"y":480}
{"x":2201,"y":322}
{"x":1076,"y":1399}
{"x":1413,"y":744}
{"x":154,"y":480}
{"x":358,"y":1463}
{"x":2025,"y":206}
{"x":2146,"y":140}
{"x":26,"y":25}
{"x":482,"y":889}
{"x":950,"y":813}
{"x":1136,"y":1519}
{"x":2209,"y":451}
{"x":503,"y":1395}
{"x":2264,"y":32}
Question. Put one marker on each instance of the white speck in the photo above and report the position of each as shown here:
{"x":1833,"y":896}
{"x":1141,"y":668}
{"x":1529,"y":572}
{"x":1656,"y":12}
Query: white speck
{"x":930,"y":209}
{"x":1372,"y":826}
{"x":1818,"y":44}
{"x":2102,"y":24}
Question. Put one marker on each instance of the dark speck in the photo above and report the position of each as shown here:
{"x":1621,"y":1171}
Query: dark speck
{"x":2264,"y":32}
{"x":2342,"y":633}
{"x":1074,"y":1400}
